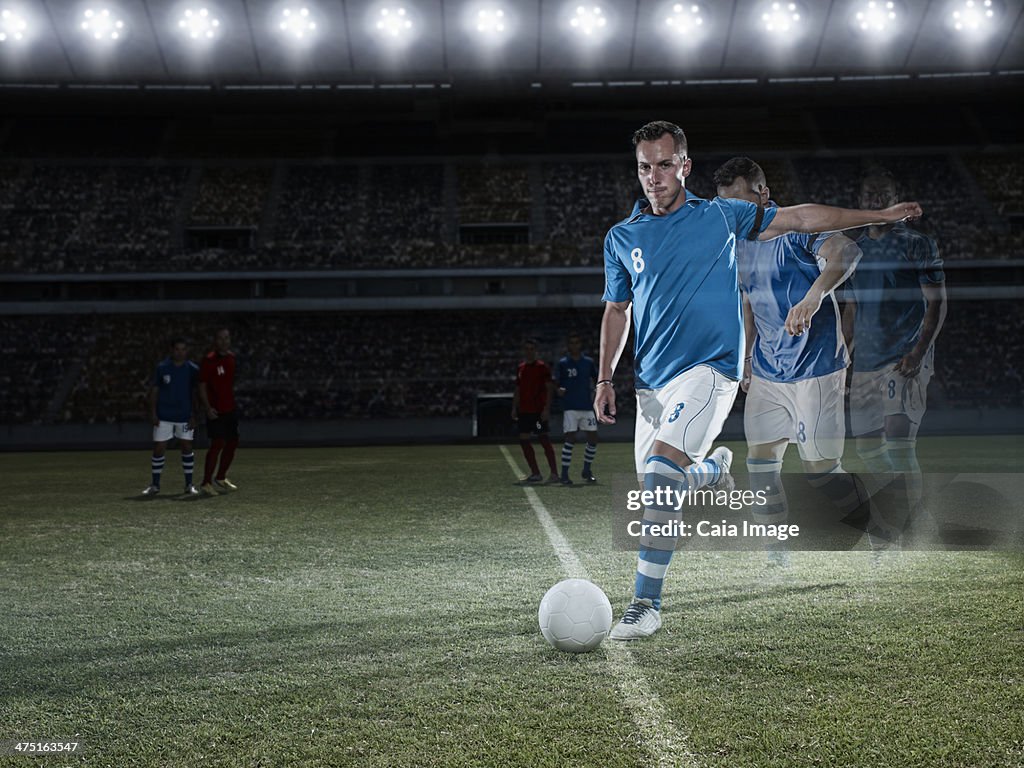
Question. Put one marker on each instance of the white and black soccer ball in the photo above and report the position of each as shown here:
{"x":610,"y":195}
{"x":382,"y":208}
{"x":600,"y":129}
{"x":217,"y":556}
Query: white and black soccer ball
{"x":575,"y":616}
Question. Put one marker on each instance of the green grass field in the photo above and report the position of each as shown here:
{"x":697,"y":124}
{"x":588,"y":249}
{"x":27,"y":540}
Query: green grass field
{"x":377,"y":607}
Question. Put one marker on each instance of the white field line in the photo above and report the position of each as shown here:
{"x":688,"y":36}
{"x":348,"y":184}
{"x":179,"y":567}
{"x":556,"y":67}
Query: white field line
{"x":663,"y":739}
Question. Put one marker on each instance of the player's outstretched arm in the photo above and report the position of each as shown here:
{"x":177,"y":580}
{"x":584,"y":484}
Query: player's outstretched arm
{"x":811,"y":218}
{"x":841,"y":256}
{"x":614,"y":332}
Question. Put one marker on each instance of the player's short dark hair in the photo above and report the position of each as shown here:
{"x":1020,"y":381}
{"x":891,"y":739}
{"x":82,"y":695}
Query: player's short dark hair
{"x":176,"y":340}
{"x":879,"y":173}
{"x":739,"y":168}
{"x":531,"y":340}
{"x":655,"y":130}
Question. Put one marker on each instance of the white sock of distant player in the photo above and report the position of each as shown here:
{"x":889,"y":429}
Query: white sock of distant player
{"x":656,"y":553}
{"x":188,"y":464}
{"x":157,"y":465}
{"x":566,"y":458}
{"x":588,"y":458}
{"x":903,"y":456}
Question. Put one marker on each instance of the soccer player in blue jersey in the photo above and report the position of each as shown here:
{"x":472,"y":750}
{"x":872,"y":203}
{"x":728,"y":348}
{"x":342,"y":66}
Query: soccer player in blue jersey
{"x":896,"y":306}
{"x":172,"y":401}
{"x":671,"y":265}
{"x":794,"y":370}
{"x":576,"y":374}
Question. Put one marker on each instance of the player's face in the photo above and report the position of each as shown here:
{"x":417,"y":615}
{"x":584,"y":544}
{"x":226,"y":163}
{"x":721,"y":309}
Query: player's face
{"x":223,"y":340}
{"x":179,"y":353}
{"x":744,"y":189}
{"x":529,"y":352}
{"x":574,"y":347}
{"x":661,"y":172}
{"x":877,"y":193}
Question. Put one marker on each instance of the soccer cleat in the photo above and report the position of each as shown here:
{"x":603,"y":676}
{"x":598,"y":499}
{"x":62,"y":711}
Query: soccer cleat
{"x":722,"y":456}
{"x":191,"y":490}
{"x":152,"y":490}
{"x":565,"y":481}
{"x":588,"y":477}
{"x":224,"y":485}
{"x":209,"y":490}
{"x":553,"y":479}
{"x":639,"y":621}
{"x":532,"y":479}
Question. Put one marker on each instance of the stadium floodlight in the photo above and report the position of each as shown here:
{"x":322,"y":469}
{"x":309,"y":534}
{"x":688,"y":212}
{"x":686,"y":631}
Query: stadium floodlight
{"x":297,"y":23}
{"x":102,"y":25}
{"x":976,"y":17}
{"x":199,"y":24}
{"x":781,"y":18}
{"x":589,"y":20}
{"x":685,"y":20}
{"x":394,"y":23}
{"x":875,"y":16}
{"x":13,"y":26}
{"x":491,"y":22}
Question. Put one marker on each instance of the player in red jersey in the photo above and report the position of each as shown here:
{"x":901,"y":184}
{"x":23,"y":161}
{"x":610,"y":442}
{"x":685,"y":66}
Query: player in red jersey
{"x":531,"y":407}
{"x":217,"y":393}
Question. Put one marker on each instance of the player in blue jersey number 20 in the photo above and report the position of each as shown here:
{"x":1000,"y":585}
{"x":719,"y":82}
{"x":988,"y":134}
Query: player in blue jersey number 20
{"x":671,"y":265}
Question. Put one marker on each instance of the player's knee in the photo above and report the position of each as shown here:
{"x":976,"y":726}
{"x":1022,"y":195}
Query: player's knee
{"x":673,"y":454}
{"x":898,"y":425}
{"x":820,"y":466}
{"x":768,"y":451}
{"x":159,"y":449}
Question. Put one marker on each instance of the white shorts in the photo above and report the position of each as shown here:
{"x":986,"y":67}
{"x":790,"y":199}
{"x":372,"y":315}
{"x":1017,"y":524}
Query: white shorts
{"x":687,"y":413}
{"x":574,"y":421}
{"x":165,"y":430}
{"x":877,"y":394}
{"x":808,"y":413}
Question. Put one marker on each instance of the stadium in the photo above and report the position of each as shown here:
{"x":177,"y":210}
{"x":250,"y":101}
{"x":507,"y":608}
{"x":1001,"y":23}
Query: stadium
{"x":381,"y":202}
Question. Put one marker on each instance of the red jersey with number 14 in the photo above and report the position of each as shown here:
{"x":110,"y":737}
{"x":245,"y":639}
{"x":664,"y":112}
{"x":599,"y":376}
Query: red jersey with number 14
{"x":218,"y":373}
{"x":532,"y":380}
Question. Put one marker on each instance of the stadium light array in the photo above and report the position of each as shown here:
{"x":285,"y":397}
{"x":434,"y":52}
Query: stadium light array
{"x":394,"y":23}
{"x":490,"y":21}
{"x":780,"y":18}
{"x":297,"y":23}
{"x":875,"y":16}
{"x":199,"y":24}
{"x":13,"y":26}
{"x":102,"y":25}
{"x":973,"y":16}
{"x":685,"y":20}
{"x":589,"y":20}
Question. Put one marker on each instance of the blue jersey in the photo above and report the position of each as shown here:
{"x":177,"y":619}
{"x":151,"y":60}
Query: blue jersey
{"x":887,"y":289}
{"x":775,"y":275}
{"x":679,"y":270}
{"x":575,"y":377}
{"x":176,"y":384}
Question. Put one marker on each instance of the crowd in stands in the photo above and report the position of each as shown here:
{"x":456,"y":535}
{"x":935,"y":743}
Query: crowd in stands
{"x":105,"y":217}
{"x":98,"y":369}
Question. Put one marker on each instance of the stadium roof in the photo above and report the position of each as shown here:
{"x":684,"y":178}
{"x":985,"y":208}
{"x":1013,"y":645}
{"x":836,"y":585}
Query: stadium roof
{"x":540,"y":44}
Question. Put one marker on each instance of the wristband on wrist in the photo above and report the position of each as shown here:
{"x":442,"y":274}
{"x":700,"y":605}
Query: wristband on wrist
{"x":604,"y":381}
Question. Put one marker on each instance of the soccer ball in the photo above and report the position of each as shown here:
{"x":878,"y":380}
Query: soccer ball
{"x":575,"y":616}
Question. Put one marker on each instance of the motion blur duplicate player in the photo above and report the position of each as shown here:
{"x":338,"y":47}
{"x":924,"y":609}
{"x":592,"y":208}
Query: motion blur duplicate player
{"x":794,"y":369}
{"x":576,"y":375}
{"x":673,"y":260}
{"x":172,"y":411}
{"x":217,"y":393}
{"x":531,"y":408}
{"x":896,"y":307}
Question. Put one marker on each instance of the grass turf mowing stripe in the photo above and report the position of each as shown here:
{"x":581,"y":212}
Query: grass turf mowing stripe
{"x":662,"y":740}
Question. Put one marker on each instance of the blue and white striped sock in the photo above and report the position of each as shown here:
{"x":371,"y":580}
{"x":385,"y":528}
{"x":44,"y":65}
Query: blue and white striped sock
{"x":588,"y":457}
{"x":766,"y":475}
{"x":566,"y":458}
{"x":903,"y":455}
{"x":157,"y":464}
{"x":656,"y":552}
{"x":188,"y":464}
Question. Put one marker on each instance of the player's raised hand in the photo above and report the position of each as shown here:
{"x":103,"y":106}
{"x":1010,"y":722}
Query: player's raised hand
{"x":604,"y":404}
{"x":902,"y":212}
{"x":909,"y":365}
{"x":799,"y":318}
